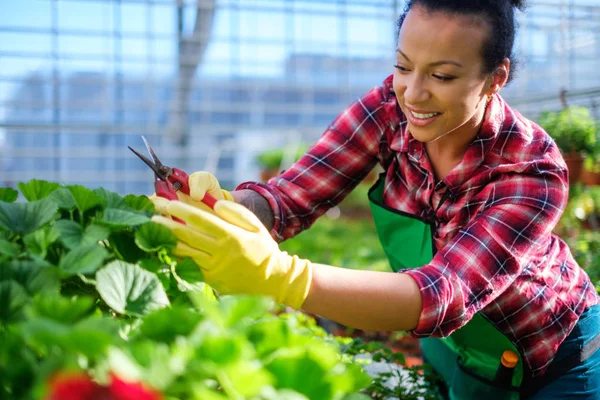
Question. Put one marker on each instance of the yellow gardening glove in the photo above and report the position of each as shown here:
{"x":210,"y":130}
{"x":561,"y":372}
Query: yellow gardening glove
{"x":236,"y":253}
{"x":200,"y":183}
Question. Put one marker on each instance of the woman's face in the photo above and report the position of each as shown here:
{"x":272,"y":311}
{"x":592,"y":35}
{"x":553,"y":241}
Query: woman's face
{"x":439,"y":79}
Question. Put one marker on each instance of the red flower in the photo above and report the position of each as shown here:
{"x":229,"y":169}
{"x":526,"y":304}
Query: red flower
{"x":78,"y":386}
{"x":121,"y":390}
{"x":74,"y":386}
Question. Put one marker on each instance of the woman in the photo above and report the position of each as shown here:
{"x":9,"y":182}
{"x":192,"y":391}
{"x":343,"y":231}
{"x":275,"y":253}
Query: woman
{"x":464,"y":209}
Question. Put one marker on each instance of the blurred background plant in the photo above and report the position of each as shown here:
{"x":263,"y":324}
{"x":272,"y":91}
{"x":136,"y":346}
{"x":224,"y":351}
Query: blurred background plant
{"x":574,"y":130}
{"x":274,"y":160}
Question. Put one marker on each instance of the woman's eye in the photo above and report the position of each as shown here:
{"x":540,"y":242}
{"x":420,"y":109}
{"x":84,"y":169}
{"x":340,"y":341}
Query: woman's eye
{"x":443,"y":78}
{"x":400,"y":68}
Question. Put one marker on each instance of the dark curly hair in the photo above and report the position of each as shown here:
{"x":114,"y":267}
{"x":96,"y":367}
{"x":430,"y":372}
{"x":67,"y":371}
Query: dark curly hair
{"x":499,"y":14}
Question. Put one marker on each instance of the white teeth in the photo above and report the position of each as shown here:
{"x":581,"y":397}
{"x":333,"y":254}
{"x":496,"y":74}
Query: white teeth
{"x":423,"y":116}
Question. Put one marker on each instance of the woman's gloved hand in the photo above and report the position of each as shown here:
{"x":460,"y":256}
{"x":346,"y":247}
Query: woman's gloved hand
{"x":201,"y":182}
{"x":236,"y":252}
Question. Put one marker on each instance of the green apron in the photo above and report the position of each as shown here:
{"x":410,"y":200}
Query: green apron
{"x":468,"y":359}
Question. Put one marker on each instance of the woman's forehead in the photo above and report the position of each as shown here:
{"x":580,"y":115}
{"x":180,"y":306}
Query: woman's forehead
{"x":440,"y":34}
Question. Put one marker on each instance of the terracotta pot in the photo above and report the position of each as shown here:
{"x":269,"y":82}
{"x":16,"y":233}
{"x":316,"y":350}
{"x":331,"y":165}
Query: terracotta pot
{"x":266,"y":174}
{"x":590,"y":178}
{"x":574,"y":163}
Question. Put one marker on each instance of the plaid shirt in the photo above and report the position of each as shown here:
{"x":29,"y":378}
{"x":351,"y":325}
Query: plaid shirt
{"x":496,"y":251}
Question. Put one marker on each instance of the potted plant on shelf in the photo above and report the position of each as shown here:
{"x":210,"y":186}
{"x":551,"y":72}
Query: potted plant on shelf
{"x":591,"y":170}
{"x":574,"y":130}
{"x":272,"y":161}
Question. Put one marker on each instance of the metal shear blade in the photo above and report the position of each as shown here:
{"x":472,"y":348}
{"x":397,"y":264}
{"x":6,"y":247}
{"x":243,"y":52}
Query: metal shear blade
{"x":161,"y":171}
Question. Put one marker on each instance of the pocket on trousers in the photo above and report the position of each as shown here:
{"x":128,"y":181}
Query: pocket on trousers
{"x":467,"y":385}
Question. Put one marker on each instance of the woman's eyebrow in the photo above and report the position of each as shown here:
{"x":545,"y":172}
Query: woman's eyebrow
{"x":433,"y":64}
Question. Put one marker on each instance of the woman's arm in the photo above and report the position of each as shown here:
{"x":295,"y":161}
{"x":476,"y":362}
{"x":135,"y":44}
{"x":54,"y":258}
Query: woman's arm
{"x":368,"y":300}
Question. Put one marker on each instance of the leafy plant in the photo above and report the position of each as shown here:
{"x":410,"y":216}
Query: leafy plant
{"x":586,"y":250}
{"x":327,"y":242}
{"x":572,"y":128}
{"x":273,"y":158}
{"x":92,"y":303}
{"x":583,"y":204}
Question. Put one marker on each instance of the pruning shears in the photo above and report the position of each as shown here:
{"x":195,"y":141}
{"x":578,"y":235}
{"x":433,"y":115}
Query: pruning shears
{"x":169,"y":180}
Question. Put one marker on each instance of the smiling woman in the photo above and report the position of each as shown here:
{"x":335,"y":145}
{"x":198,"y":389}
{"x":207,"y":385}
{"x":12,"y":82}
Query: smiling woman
{"x":443,"y":83}
{"x":464,"y":211}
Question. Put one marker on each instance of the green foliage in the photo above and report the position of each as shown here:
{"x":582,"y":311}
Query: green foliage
{"x":583,"y":206}
{"x":584,"y":202}
{"x":573,"y":129}
{"x":586,"y":250}
{"x":88,"y":283}
{"x":327,"y":242}
{"x":273,"y":158}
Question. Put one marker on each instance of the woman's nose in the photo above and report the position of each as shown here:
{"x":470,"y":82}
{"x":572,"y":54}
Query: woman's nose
{"x":415,"y":91}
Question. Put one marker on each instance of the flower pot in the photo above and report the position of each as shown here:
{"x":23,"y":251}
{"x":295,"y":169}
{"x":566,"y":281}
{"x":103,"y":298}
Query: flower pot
{"x":268,"y":173}
{"x":590,"y":178}
{"x":574,"y":163}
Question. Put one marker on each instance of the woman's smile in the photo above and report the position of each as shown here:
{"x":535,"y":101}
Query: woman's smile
{"x":421,"y":118}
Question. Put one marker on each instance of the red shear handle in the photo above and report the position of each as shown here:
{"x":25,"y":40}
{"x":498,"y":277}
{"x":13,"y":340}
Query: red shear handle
{"x":166,"y":190}
{"x":180,"y":179}
{"x":209,"y":200}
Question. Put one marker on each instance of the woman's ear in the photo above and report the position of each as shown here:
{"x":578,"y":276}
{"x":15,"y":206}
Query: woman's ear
{"x":499,"y":77}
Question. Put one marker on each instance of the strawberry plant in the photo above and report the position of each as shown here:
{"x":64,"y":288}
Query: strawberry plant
{"x":94,"y":305}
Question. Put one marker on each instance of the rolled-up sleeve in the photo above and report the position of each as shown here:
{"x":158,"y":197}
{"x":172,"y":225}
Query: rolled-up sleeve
{"x":324,"y":176}
{"x":488,"y":254}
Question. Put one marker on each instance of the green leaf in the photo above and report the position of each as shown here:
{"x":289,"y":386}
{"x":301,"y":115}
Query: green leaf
{"x":153,"y":264}
{"x":64,"y":199}
{"x":189,"y":271}
{"x":93,"y":336}
{"x":247,"y":378}
{"x":8,"y":195}
{"x":90,"y":337}
{"x":94,"y":234}
{"x":269,"y":335}
{"x":84,"y":259}
{"x":34,"y":276}
{"x":73,"y":235}
{"x":224,"y":348}
{"x":70,"y":232}
{"x":152,"y":237}
{"x":111,"y":199}
{"x":124,"y":246}
{"x":139,"y":203}
{"x":9,"y":249}
{"x":13,"y":299}
{"x":121,"y":218}
{"x":39,"y":241}
{"x":17,"y":366}
{"x":37,"y":189}
{"x":240,"y":309}
{"x":357,"y":396}
{"x":85,"y":198}
{"x":62,"y":309}
{"x":159,"y":325}
{"x":129,"y":289}
{"x":24,"y":218}
{"x":297,"y":369}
